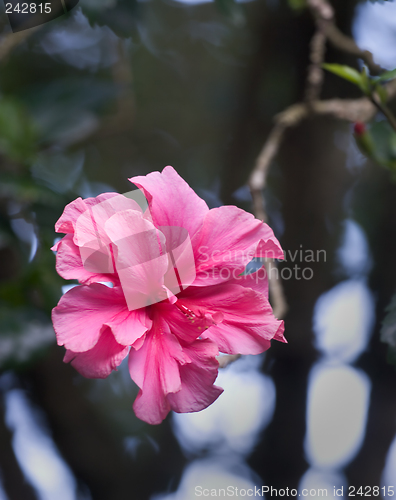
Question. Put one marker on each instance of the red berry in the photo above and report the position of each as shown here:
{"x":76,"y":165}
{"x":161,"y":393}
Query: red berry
{"x":359,"y":128}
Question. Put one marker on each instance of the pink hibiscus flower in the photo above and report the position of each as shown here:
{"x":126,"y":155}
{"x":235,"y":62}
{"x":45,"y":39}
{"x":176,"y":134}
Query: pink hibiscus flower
{"x":178,"y":295}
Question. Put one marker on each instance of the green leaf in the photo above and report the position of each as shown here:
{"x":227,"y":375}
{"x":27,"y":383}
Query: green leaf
{"x":365,"y":84}
{"x":384,"y":138}
{"x":297,"y":4}
{"x":17,"y":133}
{"x":388,"y":75}
{"x":346,"y":72}
{"x":231,"y":9}
{"x":382,"y":93}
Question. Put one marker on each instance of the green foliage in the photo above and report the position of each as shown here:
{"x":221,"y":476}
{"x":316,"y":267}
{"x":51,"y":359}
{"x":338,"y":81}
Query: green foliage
{"x":384,"y":138}
{"x":297,"y":4}
{"x":382,"y":93}
{"x":363,"y":80}
{"x":17,"y":133}
{"x":231,"y":9}
{"x":119,"y":15}
{"x":379,"y":144}
{"x":388,"y":75}
{"x":345,"y":72}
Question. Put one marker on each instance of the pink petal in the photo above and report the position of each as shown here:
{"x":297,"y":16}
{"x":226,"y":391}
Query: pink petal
{"x":229,"y":239}
{"x":69,"y":264}
{"x":84,"y":311}
{"x":155,"y":369}
{"x":140,"y":258}
{"x":67,"y":221}
{"x":90,"y":224}
{"x":130,"y":327}
{"x":171,"y":200}
{"x":90,"y":235}
{"x":85,"y":219}
{"x":71,"y":213}
{"x":257,"y":281}
{"x":101,"y":360}
{"x":181,"y":263}
{"x":197,"y":378}
{"x":248,"y":324}
{"x":187,"y":327}
{"x":172,"y":375}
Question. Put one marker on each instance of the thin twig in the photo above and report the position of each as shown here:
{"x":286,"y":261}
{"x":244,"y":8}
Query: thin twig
{"x":324,"y":14}
{"x":385,"y":111}
{"x":315,"y":76}
{"x":259,"y":174}
{"x":226,"y":359}
{"x":315,"y":72}
{"x":346,"y":44}
{"x":345,"y":109}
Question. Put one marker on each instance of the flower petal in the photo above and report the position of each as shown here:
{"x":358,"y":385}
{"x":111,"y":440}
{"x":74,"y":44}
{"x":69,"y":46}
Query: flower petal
{"x":187,"y":327}
{"x":84,"y":311}
{"x":230,"y":238}
{"x":155,"y":369}
{"x":69,"y":264}
{"x":197,"y":390}
{"x":257,"y":281}
{"x":101,"y":360}
{"x":67,"y":221}
{"x":171,"y":200}
{"x":140,"y":258}
{"x":248,"y":324}
{"x":129,"y":327}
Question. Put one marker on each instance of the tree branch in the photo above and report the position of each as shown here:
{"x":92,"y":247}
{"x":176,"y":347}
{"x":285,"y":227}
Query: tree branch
{"x":324,"y":15}
{"x":352,"y":110}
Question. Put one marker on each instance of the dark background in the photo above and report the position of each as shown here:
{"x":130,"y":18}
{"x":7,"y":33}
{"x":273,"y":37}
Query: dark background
{"x":117,"y":89}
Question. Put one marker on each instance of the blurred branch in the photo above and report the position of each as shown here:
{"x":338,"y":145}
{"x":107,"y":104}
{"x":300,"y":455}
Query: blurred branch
{"x":323,"y":13}
{"x":226,"y":359}
{"x":315,"y":76}
{"x":385,"y":110}
{"x":352,"y":110}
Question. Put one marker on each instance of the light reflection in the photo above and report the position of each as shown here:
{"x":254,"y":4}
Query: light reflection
{"x":20,"y":347}
{"x":317,"y":480}
{"x":233,"y":422}
{"x":199,"y":2}
{"x":3,"y":495}
{"x":343,"y":320}
{"x":58,"y":171}
{"x":81,"y":45}
{"x":338,"y":400}
{"x":35,"y":451}
{"x":389,"y":473}
{"x":374,"y":29}
{"x":354,"y":253}
{"x":213,"y":475}
{"x":25,"y":232}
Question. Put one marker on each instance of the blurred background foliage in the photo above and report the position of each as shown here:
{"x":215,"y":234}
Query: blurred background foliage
{"x":118,"y":88}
